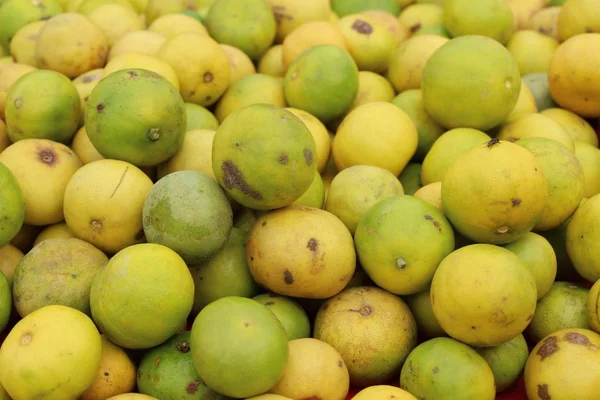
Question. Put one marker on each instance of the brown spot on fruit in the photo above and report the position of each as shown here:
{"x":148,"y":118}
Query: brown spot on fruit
{"x":233,"y":179}
{"x":435,"y":370}
{"x":96,"y":225}
{"x":87,"y":79}
{"x":308,"y":156}
{"x":106,"y":374}
{"x":208,"y":77}
{"x":263,"y":224}
{"x":365,"y":311}
{"x":362,"y":27}
{"x":340,"y":363}
{"x":269,"y":303}
{"x":192,"y":387}
{"x":47,"y":156}
{"x":100,"y":107}
{"x":576,"y":338}
{"x":18,"y":102}
{"x":543,"y":392}
{"x":157,"y":361}
{"x":183,"y":347}
{"x":287,"y":277}
{"x":246,"y":324}
{"x":280,"y":15}
{"x":313,"y":245}
{"x":549,"y":346}
{"x":283,"y":159}
{"x":26,"y":338}
{"x":492,"y":142}
{"x":515,"y":202}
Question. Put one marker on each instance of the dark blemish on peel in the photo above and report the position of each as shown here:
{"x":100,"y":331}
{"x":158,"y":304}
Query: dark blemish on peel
{"x":100,"y":107}
{"x":516,"y":202}
{"x":233,"y":179}
{"x":308,"y":156}
{"x":362,"y":27}
{"x":313,"y":245}
{"x":283,"y":159}
{"x":287,"y":277}
{"x":549,"y":346}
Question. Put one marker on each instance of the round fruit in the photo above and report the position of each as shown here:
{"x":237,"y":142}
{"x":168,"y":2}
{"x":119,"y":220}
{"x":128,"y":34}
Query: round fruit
{"x":432,"y":193}
{"x":345,"y":7}
{"x":593,"y":307}
{"x":248,"y":25}
{"x":307,"y":36}
{"x":224,"y":274}
{"x":419,"y":16}
{"x":545,"y":375}
{"x":319,"y":133}
{"x":589,"y":157}
{"x":115,"y":21}
{"x":399,"y":31}
{"x":422,"y":310}
{"x":137,"y":116}
{"x":15,"y":14}
{"x":373,"y":331}
{"x":483,"y":295}
{"x":540,"y":88}
{"x":170,"y":25}
{"x":103,"y":204}
{"x":385,"y":243}
{"x":271,"y":63}
{"x":9,"y":74}
{"x":514,"y":199}
{"x":491,"y":18}
{"x":171,"y":217}
{"x":240,"y":64}
{"x":246,"y":340}
{"x":507,"y":361}
{"x":141,"y":61}
{"x":23,"y":44}
{"x":199,"y":117}
{"x":9,"y":259}
{"x":39,"y":279}
{"x":536,"y":125}
{"x":538,"y":256}
{"x":291,"y":14}
{"x":12,"y":206}
{"x":42,"y":105}
{"x":479,"y":71}
{"x":573,"y":83}
{"x":168,"y":372}
{"x":42,"y":168}
{"x":115,"y":376}
{"x":582,"y":239}
{"x":526,"y":105}
{"x":71,"y":44}
{"x":564,"y":306}
{"x":314,"y":368}
{"x":372,"y":87}
{"x":28,"y":360}
{"x":264,"y":156}
{"x":383,"y":392}
{"x":291,"y":315}
{"x":443,"y":367}
{"x":325,"y":95}
{"x":391,"y":143}
{"x":356,"y":189}
{"x":577,"y":17}
{"x":145,"y":42}
{"x":195,"y":154}
{"x":520,"y":45}
{"x":145,"y":271}
{"x":577,"y":127}
{"x":301,"y":252}
{"x":5,"y":301}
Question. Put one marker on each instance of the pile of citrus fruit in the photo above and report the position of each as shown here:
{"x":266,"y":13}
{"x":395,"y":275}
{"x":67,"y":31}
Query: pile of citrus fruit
{"x":292,"y":199}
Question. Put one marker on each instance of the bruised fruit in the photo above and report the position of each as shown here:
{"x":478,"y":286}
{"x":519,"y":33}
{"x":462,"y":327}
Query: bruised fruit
{"x":264,"y":156}
{"x":373,"y":331}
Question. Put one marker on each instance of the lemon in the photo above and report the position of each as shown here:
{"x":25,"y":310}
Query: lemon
{"x":139,"y":42}
{"x":532,"y":50}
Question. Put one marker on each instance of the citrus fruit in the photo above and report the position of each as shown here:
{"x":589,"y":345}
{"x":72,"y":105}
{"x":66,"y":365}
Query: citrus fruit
{"x":149,"y":271}
{"x":409,"y":59}
{"x":574,"y":85}
{"x":157,"y":8}
{"x":577,"y":127}
{"x":358,"y":324}
{"x":564,"y":306}
{"x":5,"y":301}
{"x":546,"y":21}
{"x":538,"y":256}
{"x":194,"y":154}
{"x":85,"y":7}
{"x":28,"y":360}
{"x":137,"y":116}
{"x":372,"y":87}
{"x":115,"y":21}
{"x":390,"y":145}
{"x":564,"y":176}
{"x":446,"y":149}
{"x":264,"y":156}
{"x":42,"y":105}
{"x":248,"y":25}
{"x":103,"y":204}
{"x":240,"y":64}
{"x":319,"y":133}
{"x":201,"y":65}
{"x":524,"y":9}
{"x":420,"y":307}
{"x":301,"y":252}
{"x":60,"y":230}
{"x":271,"y":63}
{"x":356,"y":189}
{"x":9,"y":259}
{"x":167,"y":371}
{"x":307,"y":36}
{"x":593,"y":308}
{"x":14,"y":14}
{"x":385,"y":239}
{"x":544,"y":375}
{"x":289,"y":312}
{"x":557,"y":237}
{"x":540,"y":88}
{"x":23,"y":44}
{"x":399,"y":31}
{"x":39,"y":279}
{"x":290,"y":14}
{"x":433,"y":367}
{"x":369,"y":42}
{"x":491,"y":18}
{"x":514,"y":198}
{"x":326,"y":96}
{"x":142,"y":61}
{"x":145,"y":42}
{"x":589,"y":157}
{"x":12,"y":207}
{"x":432,"y":193}
{"x":577,"y":17}
{"x":483,"y":295}
{"x":199,"y":117}
{"x":42,"y":169}
{"x":521,"y":44}
{"x":58,"y":49}
{"x":421,"y":15}
{"x":526,"y":105}
{"x":479,"y":71}
{"x":4,"y":139}
{"x":115,"y":376}
{"x":411,"y":102}
{"x":507,"y":361}
{"x":345,"y":7}
{"x":252,"y":89}
{"x":170,"y":216}
{"x":224,"y":274}
{"x":132,"y":396}
{"x":411,"y":178}
{"x":313,"y":368}
{"x":314,"y":196}
{"x":83,"y":147}
{"x":581,"y":237}
{"x":170,"y":25}
{"x":381,"y":392}
{"x":246,"y":340}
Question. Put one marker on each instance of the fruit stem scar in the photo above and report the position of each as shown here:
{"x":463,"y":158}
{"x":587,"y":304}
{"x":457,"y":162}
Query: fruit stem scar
{"x":154,"y":134}
{"x":401,"y":263}
{"x":363,"y":27}
{"x":208,"y":77}
{"x":183,"y":347}
{"x":26,"y":338}
{"x":96,"y":225}
{"x":502,"y":230}
{"x":365,"y":311}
